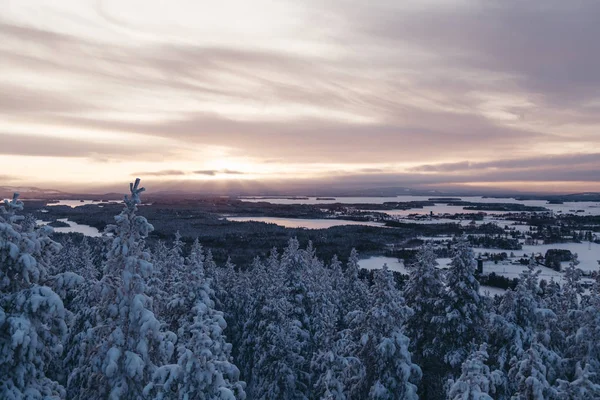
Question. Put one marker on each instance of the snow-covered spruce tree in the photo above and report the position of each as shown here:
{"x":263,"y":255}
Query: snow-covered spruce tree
{"x":233,"y":298}
{"x":204,"y":369}
{"x":424,"y":294}
{"x":210,"y":266}
{"x":338,"y":283}
{"x":156,"y":284}
{"x":261,"y":278}
{"x":32,"y":316}
{"x":275,"y":341}
{"x":519,"y":309}
{"x":86,"y":266}
{"x":530,"y":375}
{"x":337,"y":373}
{"x":521,"y":320}
{"x":461,"y":323}
{"x":582,"y":388}
{"x":582,"y":345}
{"x":173,"y":267}
{"x":324,"y":311}
{"x":390,"y":372}
{"x":66,"y":259}
{"x":116,"y":356}
{"x":291,"y":318}
{"x":355,"y":294}
{"x":571,"y":288}
{"x":476,"y":381}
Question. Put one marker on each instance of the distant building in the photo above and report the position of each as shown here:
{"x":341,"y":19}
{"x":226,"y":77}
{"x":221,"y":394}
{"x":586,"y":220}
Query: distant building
{"x":480,"y":265}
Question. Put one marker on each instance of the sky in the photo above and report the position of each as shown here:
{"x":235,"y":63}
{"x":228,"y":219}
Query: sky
{"x":415,"y":93}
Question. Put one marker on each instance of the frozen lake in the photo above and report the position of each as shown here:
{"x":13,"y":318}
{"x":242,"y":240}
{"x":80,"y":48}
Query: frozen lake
{"x":86,"y":230}
{"x":77,"y":203}
{"x":303,"y":223}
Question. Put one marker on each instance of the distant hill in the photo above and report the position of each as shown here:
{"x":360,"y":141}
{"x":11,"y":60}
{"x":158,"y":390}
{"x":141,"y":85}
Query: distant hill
{"x":251,"y":188}
{"x":30,"y":192}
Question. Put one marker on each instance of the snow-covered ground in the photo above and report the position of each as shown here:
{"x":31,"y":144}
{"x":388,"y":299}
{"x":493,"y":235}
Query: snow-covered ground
{"x":513,"y":270}
{"x":491,"y":291}
{"x":587,"y":207}
{"x":588,"y":253}
{"x":378,"y":262}
{"x":395,"y":265}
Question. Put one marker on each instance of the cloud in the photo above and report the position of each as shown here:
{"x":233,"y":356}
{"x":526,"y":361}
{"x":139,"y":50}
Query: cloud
{"x":548,"y":51}
{"x":495,"y":85}
{"x":208,"y":172}
{"x":213,"y":172}
{"x":168,"y":172}
{"x":568,"y":161}
{"x":420,"y":135}
{"x":51,"y":146}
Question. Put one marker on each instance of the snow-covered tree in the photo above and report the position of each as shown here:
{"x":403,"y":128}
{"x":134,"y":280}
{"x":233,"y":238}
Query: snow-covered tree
{"x":582,"y":388}
{"x":355,"y":294}
{"x":390,"y":372}
{"x":32,"y":316}
{"x":582,"y":344}
{"x":117,"y":354}
{"x":291,"y":318}
{"x":66,"y":259}
{"x":464,"y":311}
{"x":476,"y":381}
{"x":521,"y":320}
{"x":424,"y":293}
{"x":337,"y":372}
{"x":529,"y":375}
{"x":204,"y":369}
{"x":571,"y":288}
{"x":86,"y":266}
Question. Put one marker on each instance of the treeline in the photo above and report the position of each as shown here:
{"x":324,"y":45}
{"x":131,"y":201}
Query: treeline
{"x":124,"y":322}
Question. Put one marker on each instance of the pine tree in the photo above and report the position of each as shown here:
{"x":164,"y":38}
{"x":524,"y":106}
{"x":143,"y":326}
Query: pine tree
{"x":204,"y":369}
{"x":66,"y":260}
{"x":582,"y":345}
{"x":117,"y":357}
{"x":530,"y":376}
{"x":424,"y":293}
{"x":337,"y":372}
{"x":476,"y":381}
{"x":521,"y":320}
{"x":278,"y":339}
{"x":32,"y":316}
{"x":582,"y":388}
{"x":355,"y":296}
{"x":86,"y":266}
{"x":390,"y":372}
{"x":464,"y":315}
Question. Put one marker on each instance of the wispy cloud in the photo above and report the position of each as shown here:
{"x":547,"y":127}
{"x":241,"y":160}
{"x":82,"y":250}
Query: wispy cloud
{"x":52,"y":146}
{"x":476,"y":89}
{"x":168,"y":172}
{"x":569,"y":161}
{"x":207,"y":172}
{"x":213,"y":172}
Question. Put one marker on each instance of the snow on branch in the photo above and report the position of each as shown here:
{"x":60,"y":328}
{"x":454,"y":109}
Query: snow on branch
{"x":135,"y":194}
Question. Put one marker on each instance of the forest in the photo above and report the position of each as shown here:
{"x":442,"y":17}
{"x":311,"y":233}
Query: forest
{"x":118,"y":318}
